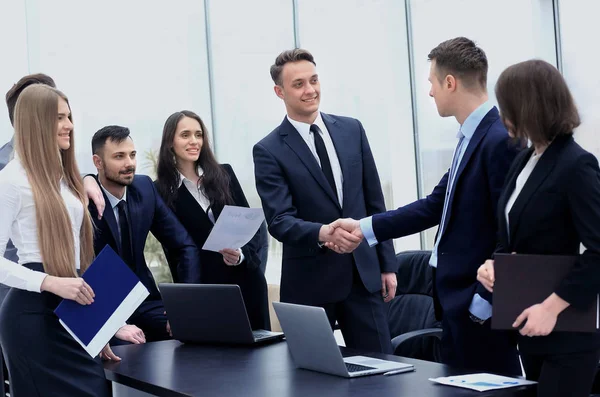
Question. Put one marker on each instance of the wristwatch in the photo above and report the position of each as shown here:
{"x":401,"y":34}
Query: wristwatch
{"x":476,"y":319}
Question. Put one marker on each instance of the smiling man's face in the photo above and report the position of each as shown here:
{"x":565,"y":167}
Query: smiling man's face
{"x":300,"y":90}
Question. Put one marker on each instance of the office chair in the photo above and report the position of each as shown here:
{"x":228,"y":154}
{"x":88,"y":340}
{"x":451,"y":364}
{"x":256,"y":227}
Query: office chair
{"x":5,"y":389}
{"x":415,"y":331}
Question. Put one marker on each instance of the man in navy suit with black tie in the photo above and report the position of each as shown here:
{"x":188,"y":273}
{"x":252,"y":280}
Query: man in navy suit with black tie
{"x":463,"y":205}
{"x":133,"y":209}
{"x":312,"y":169}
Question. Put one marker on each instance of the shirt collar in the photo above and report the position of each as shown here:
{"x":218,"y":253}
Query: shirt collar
{"x":304,"y":128}
{"x":183,"y":178}
{"x":11,"y":147}
{"x":112,"y":199}
{"x":472,"y":122}
{"x":13,"y":152}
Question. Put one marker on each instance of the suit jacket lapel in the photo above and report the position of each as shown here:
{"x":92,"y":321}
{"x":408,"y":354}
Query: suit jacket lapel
{"x":541,"y":171}
{"x":215,"y":210}
{"x":478,"y":135}
{"x":293,"y":139}
{"x":505,"y":196}
{"x":134,"y":215}
{"x":473,"y":144}
{"x":337,"y":136}
{"x":188,"y":202}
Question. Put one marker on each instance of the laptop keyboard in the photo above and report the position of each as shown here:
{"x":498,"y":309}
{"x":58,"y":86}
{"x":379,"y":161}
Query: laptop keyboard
{"x":356,"y":368}
{"x":262,"y":334}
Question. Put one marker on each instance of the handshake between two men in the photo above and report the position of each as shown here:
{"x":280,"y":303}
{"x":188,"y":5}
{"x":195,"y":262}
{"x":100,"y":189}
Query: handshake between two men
{"x":344,"y":236}
{"x":341,"y":236}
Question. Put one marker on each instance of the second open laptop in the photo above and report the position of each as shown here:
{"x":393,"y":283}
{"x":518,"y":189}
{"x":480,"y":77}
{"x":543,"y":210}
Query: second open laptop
{"x":207,"y":313}
{"x":313,"y":345}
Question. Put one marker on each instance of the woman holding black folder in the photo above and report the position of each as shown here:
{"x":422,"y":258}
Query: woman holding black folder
{"x":550,"y":205}
{"x":196,"y":188}
{"x":43,"y":210}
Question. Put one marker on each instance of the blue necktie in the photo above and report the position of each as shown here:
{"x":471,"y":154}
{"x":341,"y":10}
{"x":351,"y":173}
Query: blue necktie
{"x":451,"y":176}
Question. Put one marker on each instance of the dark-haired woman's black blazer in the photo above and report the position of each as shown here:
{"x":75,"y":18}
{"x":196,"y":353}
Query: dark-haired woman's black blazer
{"x":557,"y":210}
{"x":213,"y":270}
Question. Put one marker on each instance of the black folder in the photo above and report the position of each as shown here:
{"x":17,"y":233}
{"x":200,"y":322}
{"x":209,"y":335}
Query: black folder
{"x":524,"y":280}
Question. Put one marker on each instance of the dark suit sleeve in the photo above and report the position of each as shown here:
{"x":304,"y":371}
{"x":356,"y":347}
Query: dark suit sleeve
{"x":5,"y":153}
{"x":171,"y":256}
{"x":500,"y":248}
{"x":514,"y":168}
{"x":93,"y":210}
{"x":583,"y":282}
{"x":250,"y":250}
{"x":498,"y":160}
{"x":276,"y":198}
{"x":176,"y":241}
{"x":375,"y":203}
{"x":412,"y":218}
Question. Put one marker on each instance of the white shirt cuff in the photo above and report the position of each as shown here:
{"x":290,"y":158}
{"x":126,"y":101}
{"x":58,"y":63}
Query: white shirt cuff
{"x":480,"y":308}
{"x":34,"y":281}
{"x":366,"y":226}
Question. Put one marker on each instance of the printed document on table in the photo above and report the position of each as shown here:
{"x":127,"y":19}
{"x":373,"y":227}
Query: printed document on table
{"x":234,"y":228}
{"x":482,"y":382}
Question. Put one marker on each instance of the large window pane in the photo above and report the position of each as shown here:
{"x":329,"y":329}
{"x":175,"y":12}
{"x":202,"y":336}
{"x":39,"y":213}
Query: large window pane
{"x":131,"y":63}
{"x":120,"y":66}
{"x":13,"y":46}
{"x":509,"y":31}
{"x":578,"y":24}
{"x":244,"y":45}
{"x":360,"y":48}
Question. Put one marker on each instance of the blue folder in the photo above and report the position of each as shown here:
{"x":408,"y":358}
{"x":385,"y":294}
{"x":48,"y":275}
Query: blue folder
{"x":112,"y":281}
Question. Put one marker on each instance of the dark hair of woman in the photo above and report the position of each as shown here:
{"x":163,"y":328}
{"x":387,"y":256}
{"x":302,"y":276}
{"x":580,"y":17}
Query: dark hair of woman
{"x":535,"y":102}
{"x":215,"y":180}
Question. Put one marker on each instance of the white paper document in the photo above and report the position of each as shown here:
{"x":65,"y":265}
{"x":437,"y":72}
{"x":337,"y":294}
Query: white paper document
{"x":234,"y":228}
{"x":482,"y":382}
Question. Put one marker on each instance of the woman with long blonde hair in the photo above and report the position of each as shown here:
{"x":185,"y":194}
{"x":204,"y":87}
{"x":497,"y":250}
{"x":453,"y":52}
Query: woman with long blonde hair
{"x":43,"y":210}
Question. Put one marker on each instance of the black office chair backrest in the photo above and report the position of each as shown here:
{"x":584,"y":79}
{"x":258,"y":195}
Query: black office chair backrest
{"x":412,"y":308}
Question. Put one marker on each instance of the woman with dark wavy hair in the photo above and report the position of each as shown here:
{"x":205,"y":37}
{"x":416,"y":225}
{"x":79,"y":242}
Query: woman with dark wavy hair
{"x":196,"y":187}
{"x":550,"y":205}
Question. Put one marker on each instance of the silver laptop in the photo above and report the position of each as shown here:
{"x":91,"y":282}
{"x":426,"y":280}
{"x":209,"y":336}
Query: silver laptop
{"x":313,"y":346}
{"x":207,"y":313}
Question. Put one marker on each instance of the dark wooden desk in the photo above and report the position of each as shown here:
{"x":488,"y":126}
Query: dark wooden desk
{"x":170,"y":368}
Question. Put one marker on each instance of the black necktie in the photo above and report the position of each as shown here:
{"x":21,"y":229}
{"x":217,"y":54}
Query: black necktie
{"x":323,"y":156}
{"x":126,"y":254}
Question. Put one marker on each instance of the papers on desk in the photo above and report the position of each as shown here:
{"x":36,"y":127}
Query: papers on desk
{"x":482,"y":382}
{"x":118,"y":292}
{"x":234,"y":228}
